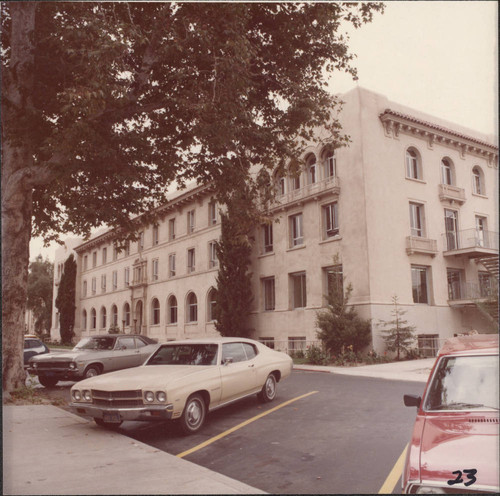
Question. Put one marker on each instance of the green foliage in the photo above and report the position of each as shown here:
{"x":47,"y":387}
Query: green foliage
{"x":65,"y":301}
{"x":234,"y":293}
{"x":316,"y":356}
{"x":114,"y":330}
{"x":40,"y":290}
{"x":398,"y":336}
{"x":339,"y":325}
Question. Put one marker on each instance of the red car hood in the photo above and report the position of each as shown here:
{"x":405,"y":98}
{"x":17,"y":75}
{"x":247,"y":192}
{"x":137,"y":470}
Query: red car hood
{"x":452,"y":442}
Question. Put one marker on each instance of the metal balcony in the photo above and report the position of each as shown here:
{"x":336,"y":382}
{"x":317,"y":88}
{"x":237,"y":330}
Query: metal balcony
{"x":315,"y":190}
{"x":467,"y":294}
{"x":471,"y":243}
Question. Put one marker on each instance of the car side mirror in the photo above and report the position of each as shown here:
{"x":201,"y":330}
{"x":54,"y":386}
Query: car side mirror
{"x":412,"y":400}
{"x":228,"y":360}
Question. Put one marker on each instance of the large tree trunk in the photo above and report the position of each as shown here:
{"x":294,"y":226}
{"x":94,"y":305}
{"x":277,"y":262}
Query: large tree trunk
{"x":17,"y":160}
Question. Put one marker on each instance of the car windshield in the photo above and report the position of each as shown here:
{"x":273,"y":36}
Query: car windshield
{"x":464,"y":383}
{"x":96,"y":343}
{"x":192,"y":354}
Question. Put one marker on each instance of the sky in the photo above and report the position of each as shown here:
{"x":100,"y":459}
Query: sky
{"x":439,"y":57}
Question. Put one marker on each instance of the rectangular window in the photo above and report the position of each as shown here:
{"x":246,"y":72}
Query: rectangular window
{"x":420,"y":284}
{"x":94,"y":259}
{"x":126,"y":277}
{"x":269,"y":294}
{"x":451,"y":229}
{"x":104,"y":255}
{"x":330,"y":165}
{"x":481,"y":232}
{"x":295,"y":181}
{"x":115,"y":279}
{"x":212,"y":254}
{"x":85,"y":262}
{"x":127,"y":248}
{"x":296,"y":234}
{"x":267,"y":238}
{"x":94,"y":285}
{"x":281,"y":186}
{"x":155,"y":269}
{"x":103,"y":283}
{"x":171,"y":229}
{"x":84,"y":291}
{"x":454,"y":284}
{"x":417,"y":220}
{"x":190,"y":221}
{"x":269,"y":342}
{"x":191,"y":260}
{"x":296,"y":343}
{"x":156,"y":234}
{"x":140,"y":245}
{"x":115,"y":252}
{"x":171,"y":265}
{"x":334,"y":280}
{"x":428,"y":345}
{"x":330,"y":220}
{"x":299,"y":294}
{"x":212,"y":213}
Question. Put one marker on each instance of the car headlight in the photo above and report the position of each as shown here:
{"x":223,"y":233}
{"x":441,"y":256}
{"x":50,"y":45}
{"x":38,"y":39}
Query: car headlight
{"x":149,"y":396}
{"x":86,"y":395}
{"x":72,"y":365}
{"x":161,"y":396}
{"x":34,"y":364}
{"x":77,"y":396}
{"x":430,"y":490}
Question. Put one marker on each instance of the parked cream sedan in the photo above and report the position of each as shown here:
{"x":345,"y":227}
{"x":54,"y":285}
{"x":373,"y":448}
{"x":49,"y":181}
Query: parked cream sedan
{"x":183,"y":380}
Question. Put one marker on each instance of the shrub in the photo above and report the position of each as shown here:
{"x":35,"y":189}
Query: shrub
{"x":316,"y":356}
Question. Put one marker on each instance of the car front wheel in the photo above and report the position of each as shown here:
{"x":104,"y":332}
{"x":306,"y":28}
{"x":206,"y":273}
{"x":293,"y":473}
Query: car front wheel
{"x":91,"y":371}
{"x":47,"y":381}
{"x":194,"y":414}
{"x":268,"y":392}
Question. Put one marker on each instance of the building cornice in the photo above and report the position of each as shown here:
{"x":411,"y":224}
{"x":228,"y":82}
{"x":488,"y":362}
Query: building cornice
{"x":196,"y":194}
{"x":396,"y":122}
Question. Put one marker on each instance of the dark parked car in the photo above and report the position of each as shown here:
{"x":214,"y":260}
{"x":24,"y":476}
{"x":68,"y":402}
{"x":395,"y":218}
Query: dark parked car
{"x":93,"y":355}
{"x":454,"y":446}
{"x":33,"y":346}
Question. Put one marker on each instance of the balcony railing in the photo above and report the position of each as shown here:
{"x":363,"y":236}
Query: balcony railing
{"x":451,"y":193}
{"x":460,"y":291}
{"x":474,"y":242}
{"x":330,"y":184}
{"x":416,"y":244}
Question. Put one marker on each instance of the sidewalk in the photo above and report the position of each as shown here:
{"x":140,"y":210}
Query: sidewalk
{"x":47,"y":450}
{"x":408,"y":370}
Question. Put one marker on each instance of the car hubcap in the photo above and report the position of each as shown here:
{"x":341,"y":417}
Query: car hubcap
{"x":194,"y":413}
{"x":270,"y":387}
{"x":91,"y":373}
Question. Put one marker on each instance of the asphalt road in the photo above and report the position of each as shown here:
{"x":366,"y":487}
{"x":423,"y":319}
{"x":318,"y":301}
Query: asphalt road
{"x":343,"y":438}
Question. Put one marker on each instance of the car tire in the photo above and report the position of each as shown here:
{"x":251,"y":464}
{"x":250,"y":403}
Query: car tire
{"x":193,"y":416}
{"x":268,"y":391}
{"x":47,"y":382}
{"x":91,"y":371}
{"x":107,"y":425}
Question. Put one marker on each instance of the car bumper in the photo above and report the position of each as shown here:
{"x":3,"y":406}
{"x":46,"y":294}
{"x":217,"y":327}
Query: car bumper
{"x":68,"y":374}
{"x":151,"y":412}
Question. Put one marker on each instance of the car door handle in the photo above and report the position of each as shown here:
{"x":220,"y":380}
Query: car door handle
{"x":253,"y":365}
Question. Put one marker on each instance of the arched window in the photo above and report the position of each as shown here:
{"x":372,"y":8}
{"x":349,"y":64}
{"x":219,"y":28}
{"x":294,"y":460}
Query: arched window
{"x":311,"y":169}
{"x":211,"y":302}
{"x":413,"y":164}
{"x":103,"y":318}
{"x":93,"y":319}
{"x":155,"y":310}
{"x":84,"y":320}
{"x":447,"y":172}
{"x":192,"y":308}
{"x":478,"y":186}
{"x":114,"y":316}
{"x":280,"y":183}
{"x":172,"y":309}
{"x":126,"y":314}
{"x":330,"y":164}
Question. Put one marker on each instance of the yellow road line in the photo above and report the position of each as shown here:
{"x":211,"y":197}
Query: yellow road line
{"x":243,"y":424}
{"x":393,"y":477}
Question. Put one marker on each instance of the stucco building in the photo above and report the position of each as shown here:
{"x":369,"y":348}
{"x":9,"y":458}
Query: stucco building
{"x":409,"y":208}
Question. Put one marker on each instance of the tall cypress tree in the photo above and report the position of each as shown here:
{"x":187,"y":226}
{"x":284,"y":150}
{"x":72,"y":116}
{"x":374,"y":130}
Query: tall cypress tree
{"x":234,"y":289}
{"x":65,"y":301}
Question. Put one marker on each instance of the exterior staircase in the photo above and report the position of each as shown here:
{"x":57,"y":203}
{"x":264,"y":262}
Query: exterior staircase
{"x":490,"y":307}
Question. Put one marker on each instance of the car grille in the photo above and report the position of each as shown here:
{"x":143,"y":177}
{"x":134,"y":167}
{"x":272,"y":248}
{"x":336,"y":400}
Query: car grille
{"x":53,"y":365}
{"x":117,"y":398}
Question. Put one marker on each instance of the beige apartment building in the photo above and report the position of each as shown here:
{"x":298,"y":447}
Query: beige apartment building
{"x":408,"y":209}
